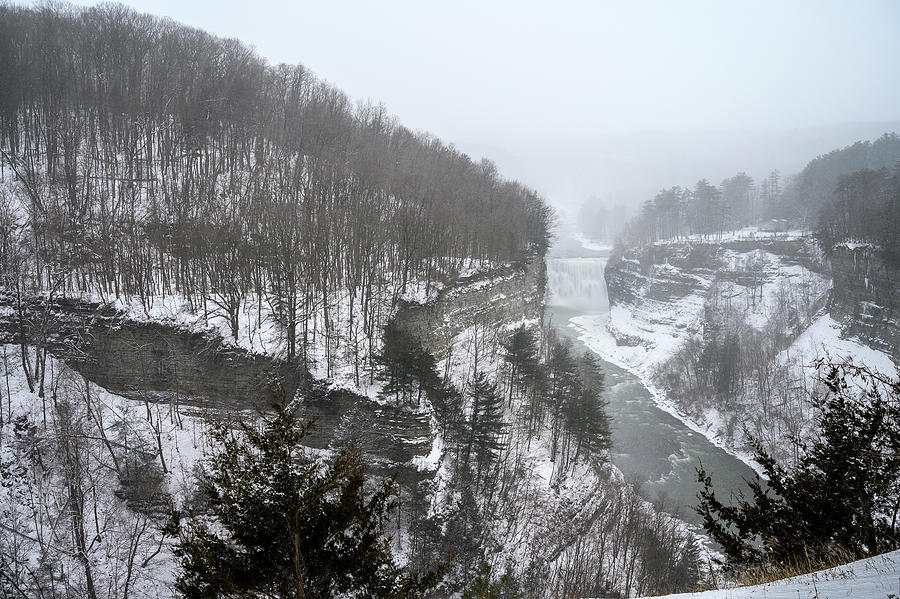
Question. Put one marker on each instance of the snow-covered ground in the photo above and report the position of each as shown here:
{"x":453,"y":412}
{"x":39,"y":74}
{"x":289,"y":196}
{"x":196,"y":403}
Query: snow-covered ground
{"x":114,"y":432}
{"x":872,"y":578}
{"x":823,"y":338}
{"x":591,"y":245}
{"x":751,"y":233}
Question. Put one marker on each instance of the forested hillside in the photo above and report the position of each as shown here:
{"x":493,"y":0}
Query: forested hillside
{"x":817,"y":182}
{"x":864,"y":208}
{"x":143,"y":159}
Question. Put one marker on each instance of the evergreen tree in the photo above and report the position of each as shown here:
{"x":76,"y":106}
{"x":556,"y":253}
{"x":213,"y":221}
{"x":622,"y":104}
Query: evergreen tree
{"x":841,"y":497}
{"x":521,"y":353}
{"x":708,"y":208}
{"x":464,"y":532}
{"x":588,"y":419}
{"x":487,"y":586}
{"x":563,"y":387}
{"x":448,"y":409}
{"x":486,"y":425}
{"x":285,"y":524}
{"x":405,"y":366}
{"x":395,"y":361}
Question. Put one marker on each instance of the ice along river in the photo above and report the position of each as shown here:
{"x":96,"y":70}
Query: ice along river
{"x":653,"y":449}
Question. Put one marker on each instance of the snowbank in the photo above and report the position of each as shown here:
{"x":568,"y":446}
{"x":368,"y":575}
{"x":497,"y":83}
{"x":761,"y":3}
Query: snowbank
{"x":823,"y":338}
{"x":873,"y":577}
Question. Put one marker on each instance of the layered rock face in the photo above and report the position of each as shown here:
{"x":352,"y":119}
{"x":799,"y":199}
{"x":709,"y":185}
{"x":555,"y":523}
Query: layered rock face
{"x":141,"y":359}
{"x":660,"y":294}
{"x":866,"y":296}
{"x":671,"y":271}
{"x":497,"y":297}
{"x":663,"y":287}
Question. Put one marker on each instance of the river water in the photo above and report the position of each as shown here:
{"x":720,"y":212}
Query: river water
{"x":654,"y":450}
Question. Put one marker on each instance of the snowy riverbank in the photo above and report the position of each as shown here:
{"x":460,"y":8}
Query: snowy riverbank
{"x":592,"y":331}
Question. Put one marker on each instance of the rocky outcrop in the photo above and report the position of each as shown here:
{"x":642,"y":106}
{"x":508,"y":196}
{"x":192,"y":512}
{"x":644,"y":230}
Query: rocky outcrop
{"x":662,"y":273}
{"x":141,"y":359}
{"x":668,"y":272}
{"x":157,"y":362}
{"x":496,"y":297}
{"x":866,"y":296}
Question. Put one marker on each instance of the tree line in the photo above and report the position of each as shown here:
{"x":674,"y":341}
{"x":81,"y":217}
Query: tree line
{"x":813,"y":187}
{"x":707,"y":210}
{"x":142,"y":158}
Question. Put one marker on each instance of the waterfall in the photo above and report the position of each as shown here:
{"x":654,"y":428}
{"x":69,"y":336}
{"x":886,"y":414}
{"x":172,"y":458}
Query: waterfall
{"x":577,"y":283}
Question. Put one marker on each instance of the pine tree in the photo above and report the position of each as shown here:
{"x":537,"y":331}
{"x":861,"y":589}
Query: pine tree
{"x":588,"y":420}
{"x":405,"y":366}
{"x":448,"y":409}
{"x":286,"y":524}
{"x":487,"y":586}
{"x":486,"y":425}
{"x":564,"y":387}
{"x":841,"y":497}
{"x":396,"y":361}
{"x":521,"y":353}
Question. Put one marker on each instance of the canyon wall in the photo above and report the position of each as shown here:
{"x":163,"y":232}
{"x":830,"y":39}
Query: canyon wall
{"x":866,"y":296}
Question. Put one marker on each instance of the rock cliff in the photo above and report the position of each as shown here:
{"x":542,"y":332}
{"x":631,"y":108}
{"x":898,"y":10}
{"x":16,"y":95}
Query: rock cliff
{"x":496,"y":297}
{"x":866,"y":296}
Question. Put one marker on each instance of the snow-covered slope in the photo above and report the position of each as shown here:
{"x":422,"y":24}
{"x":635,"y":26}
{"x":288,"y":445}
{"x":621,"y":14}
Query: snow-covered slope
{"x":725,"y":331}
{"x":824,"y":338}
{"x":872,"y":578}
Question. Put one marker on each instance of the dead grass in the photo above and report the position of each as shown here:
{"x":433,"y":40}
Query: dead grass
{"x":803,"y":564}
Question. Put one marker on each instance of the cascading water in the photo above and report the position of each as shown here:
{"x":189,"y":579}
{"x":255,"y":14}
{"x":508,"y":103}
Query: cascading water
{"x":578,"y":284}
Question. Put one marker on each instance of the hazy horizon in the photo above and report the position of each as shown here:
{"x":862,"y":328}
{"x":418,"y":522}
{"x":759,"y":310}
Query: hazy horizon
{"x":612,"y":99}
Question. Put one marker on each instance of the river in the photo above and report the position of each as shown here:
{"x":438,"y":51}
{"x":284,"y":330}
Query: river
{"x":654,"y":450}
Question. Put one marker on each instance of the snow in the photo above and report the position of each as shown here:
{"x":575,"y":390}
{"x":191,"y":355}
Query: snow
{"x":851,"y":245}
{"x":591,"y":245}
{"x":823,"y":338}
{"x":875,"y":577}
{"x":643,"y":335}
{"x":472,"y":266}
{"x":743,"y":234}
{"x":431,"y":462}
{"x":639,"y":361}
{"x":183,"y":440}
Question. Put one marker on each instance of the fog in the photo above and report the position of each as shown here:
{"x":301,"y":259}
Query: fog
{"x":587,"y":99}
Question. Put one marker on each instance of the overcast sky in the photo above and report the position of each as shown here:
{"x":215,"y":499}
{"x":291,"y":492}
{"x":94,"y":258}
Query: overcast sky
{"x":660,"y":84}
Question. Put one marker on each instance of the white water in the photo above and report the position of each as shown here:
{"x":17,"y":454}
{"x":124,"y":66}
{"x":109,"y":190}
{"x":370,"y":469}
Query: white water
{"x":577,"y":283}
